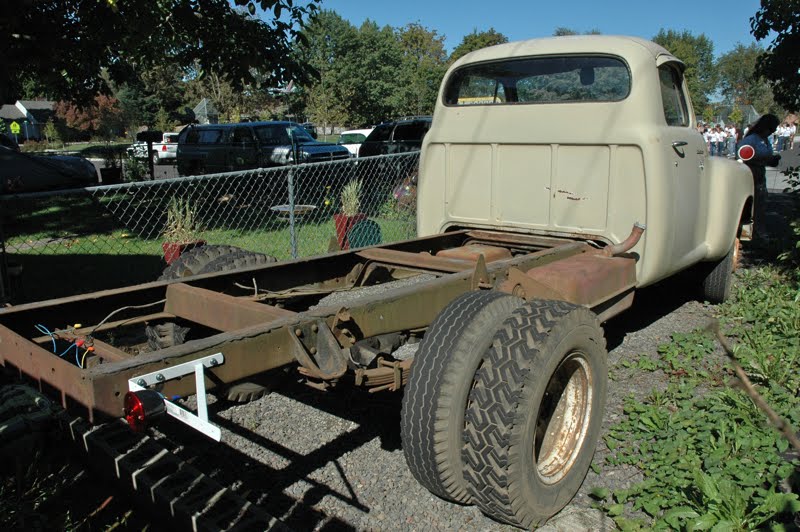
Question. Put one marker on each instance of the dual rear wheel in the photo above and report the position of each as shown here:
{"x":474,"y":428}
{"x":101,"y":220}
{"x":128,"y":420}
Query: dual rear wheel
{"x":504,"y":404}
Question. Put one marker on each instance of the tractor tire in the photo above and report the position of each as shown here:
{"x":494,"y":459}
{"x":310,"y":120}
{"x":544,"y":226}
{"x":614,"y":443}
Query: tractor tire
{"x":236,"y":261}
{"x":26,"y":422}
{"x":535,"y":412}
{"x":193,"y":261}
{"x":211,"y":259}
{"x":435,"y":399}
{"x":718,"y":277}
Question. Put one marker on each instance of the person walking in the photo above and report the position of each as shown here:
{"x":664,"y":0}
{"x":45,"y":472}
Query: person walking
{"x":755,"y":150}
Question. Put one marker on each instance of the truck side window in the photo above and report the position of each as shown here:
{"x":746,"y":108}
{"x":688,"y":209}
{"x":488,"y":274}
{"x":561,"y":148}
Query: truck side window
{"x":676,"y":112}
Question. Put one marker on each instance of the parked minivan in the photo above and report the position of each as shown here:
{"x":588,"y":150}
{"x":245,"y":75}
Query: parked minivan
{"x":213,"y":148}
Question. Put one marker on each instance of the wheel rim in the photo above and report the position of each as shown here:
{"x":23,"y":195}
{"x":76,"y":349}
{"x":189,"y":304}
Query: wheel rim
{"x":563,"y":419}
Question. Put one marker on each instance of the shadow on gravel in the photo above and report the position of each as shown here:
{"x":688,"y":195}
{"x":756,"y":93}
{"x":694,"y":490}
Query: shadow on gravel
{"x":266,"y":486}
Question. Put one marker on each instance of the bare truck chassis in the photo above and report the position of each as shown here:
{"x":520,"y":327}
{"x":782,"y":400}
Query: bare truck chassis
{"x":269,"y":317}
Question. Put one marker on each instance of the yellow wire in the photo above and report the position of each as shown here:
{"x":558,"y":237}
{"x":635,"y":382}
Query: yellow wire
{"x":83,"y":358}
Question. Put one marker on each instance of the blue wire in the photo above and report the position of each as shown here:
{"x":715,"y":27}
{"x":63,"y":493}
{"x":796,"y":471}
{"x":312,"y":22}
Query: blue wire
{"x":77,"y":353}
{"x":68,"y":348}
{"x":41,"y":328}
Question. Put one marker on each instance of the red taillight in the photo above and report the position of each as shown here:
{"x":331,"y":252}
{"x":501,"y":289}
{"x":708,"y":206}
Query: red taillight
{"x":142,"y":407}
{"x":164,"y":147}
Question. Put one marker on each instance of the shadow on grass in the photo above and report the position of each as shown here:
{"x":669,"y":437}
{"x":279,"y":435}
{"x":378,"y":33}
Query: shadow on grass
{"x":41,"y":277}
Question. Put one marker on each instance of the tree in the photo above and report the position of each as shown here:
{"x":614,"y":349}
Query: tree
{"x":51,"y":132}
{"x":562,"y":31}
{"x":329,"y":44}
{"x":477,"y":40}
{"x":780,"y":63}
{"x":370,"y":74}
{"x":738,"y":82}
{"x":103,"y":118}
{"x":64,"y":45}
{"x":423,"y":65}
{"x":697,"y":53}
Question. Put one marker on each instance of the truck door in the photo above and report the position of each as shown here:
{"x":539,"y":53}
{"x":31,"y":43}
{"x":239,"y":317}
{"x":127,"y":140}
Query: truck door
{"x":243,"y":151}
{"x":685,"y":154}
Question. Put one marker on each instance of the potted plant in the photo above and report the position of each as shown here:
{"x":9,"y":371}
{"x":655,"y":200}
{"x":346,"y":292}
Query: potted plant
{"x":181,"y":229}
{"x":351,"y":212}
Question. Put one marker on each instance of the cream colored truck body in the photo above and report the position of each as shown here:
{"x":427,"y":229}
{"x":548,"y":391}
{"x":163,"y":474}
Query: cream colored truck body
{"x":585,"y":169}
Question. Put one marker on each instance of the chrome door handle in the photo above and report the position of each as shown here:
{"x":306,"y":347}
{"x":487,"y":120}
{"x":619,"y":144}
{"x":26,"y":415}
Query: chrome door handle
{"x":677,"y":145}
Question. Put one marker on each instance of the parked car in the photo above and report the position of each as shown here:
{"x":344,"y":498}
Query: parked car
{"x":23,"y":172}
{"x":352,"y":139}
{"x":8,"y":142}
{"x":229,"y":147}
{"x":398,"y":136}
{"x":164,"y":151}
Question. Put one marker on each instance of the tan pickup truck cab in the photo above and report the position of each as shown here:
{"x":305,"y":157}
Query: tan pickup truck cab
{"x":582,"y":136}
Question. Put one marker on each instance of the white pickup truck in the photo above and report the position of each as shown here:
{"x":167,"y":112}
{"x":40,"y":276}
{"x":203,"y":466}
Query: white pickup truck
{"x":166,"y":150}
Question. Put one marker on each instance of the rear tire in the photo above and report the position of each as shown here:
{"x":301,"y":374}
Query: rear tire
{"x":535,"y":412}
{"x":718,"y":278}
{"x":434,"y":401}
{"x":155,"y":158}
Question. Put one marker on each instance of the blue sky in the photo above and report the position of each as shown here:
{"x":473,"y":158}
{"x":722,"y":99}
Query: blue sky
{"x":725,"y":22}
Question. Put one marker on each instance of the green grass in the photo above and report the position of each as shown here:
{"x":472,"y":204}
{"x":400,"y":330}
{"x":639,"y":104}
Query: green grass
{"x":77,"y":244}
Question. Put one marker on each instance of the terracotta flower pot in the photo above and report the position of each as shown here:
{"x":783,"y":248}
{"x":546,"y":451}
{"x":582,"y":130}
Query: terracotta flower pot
{"x":343,"y":224}
{"x":173,"y":250}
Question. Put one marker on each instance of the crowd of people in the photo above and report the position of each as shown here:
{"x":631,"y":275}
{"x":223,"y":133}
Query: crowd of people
{"x":722,"y":140}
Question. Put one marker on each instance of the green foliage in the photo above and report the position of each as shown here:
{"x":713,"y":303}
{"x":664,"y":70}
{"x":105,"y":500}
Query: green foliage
{"x":780,"y":64}
{"x":422,"y":68}
{"x":135,"y":169}
{"x":163,"y":122}
{"x":697,"y":53}
{"x":51,"y":133}
{"x":737,"y":80}
{"x":46,"y":42}
{"x":477,"y":40}
{"x":706,"y":452}
{"x":736,"y":116}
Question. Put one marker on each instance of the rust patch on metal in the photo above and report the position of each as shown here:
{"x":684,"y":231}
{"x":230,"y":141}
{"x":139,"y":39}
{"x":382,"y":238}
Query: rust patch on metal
{"x":416,"y":260}
{"x":587,"y":279}
{"x":218,"y":311}
{"x":474,"y":251}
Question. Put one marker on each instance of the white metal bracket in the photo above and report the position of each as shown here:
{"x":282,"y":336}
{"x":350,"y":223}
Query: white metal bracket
{"x":197,"y":421}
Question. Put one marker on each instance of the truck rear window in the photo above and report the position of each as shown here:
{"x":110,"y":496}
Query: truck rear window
{"x":540,"y":80}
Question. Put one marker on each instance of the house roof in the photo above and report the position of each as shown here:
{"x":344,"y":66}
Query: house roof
{"x":40,"y":110}
{"x":30,"y":105}
{"x":9,"y":111}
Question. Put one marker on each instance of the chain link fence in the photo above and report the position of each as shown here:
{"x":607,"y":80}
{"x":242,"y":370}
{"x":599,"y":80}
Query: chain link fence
{"x":73,"y":241}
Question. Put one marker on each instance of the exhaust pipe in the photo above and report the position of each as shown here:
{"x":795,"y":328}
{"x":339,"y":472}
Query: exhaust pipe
{"x":627,"y":244}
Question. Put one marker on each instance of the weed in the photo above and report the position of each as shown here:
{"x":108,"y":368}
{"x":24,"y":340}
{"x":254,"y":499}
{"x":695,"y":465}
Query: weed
{"x":707,"y":455}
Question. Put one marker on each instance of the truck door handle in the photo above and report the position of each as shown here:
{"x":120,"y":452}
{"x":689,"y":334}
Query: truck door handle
{"x":677,"y":145}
